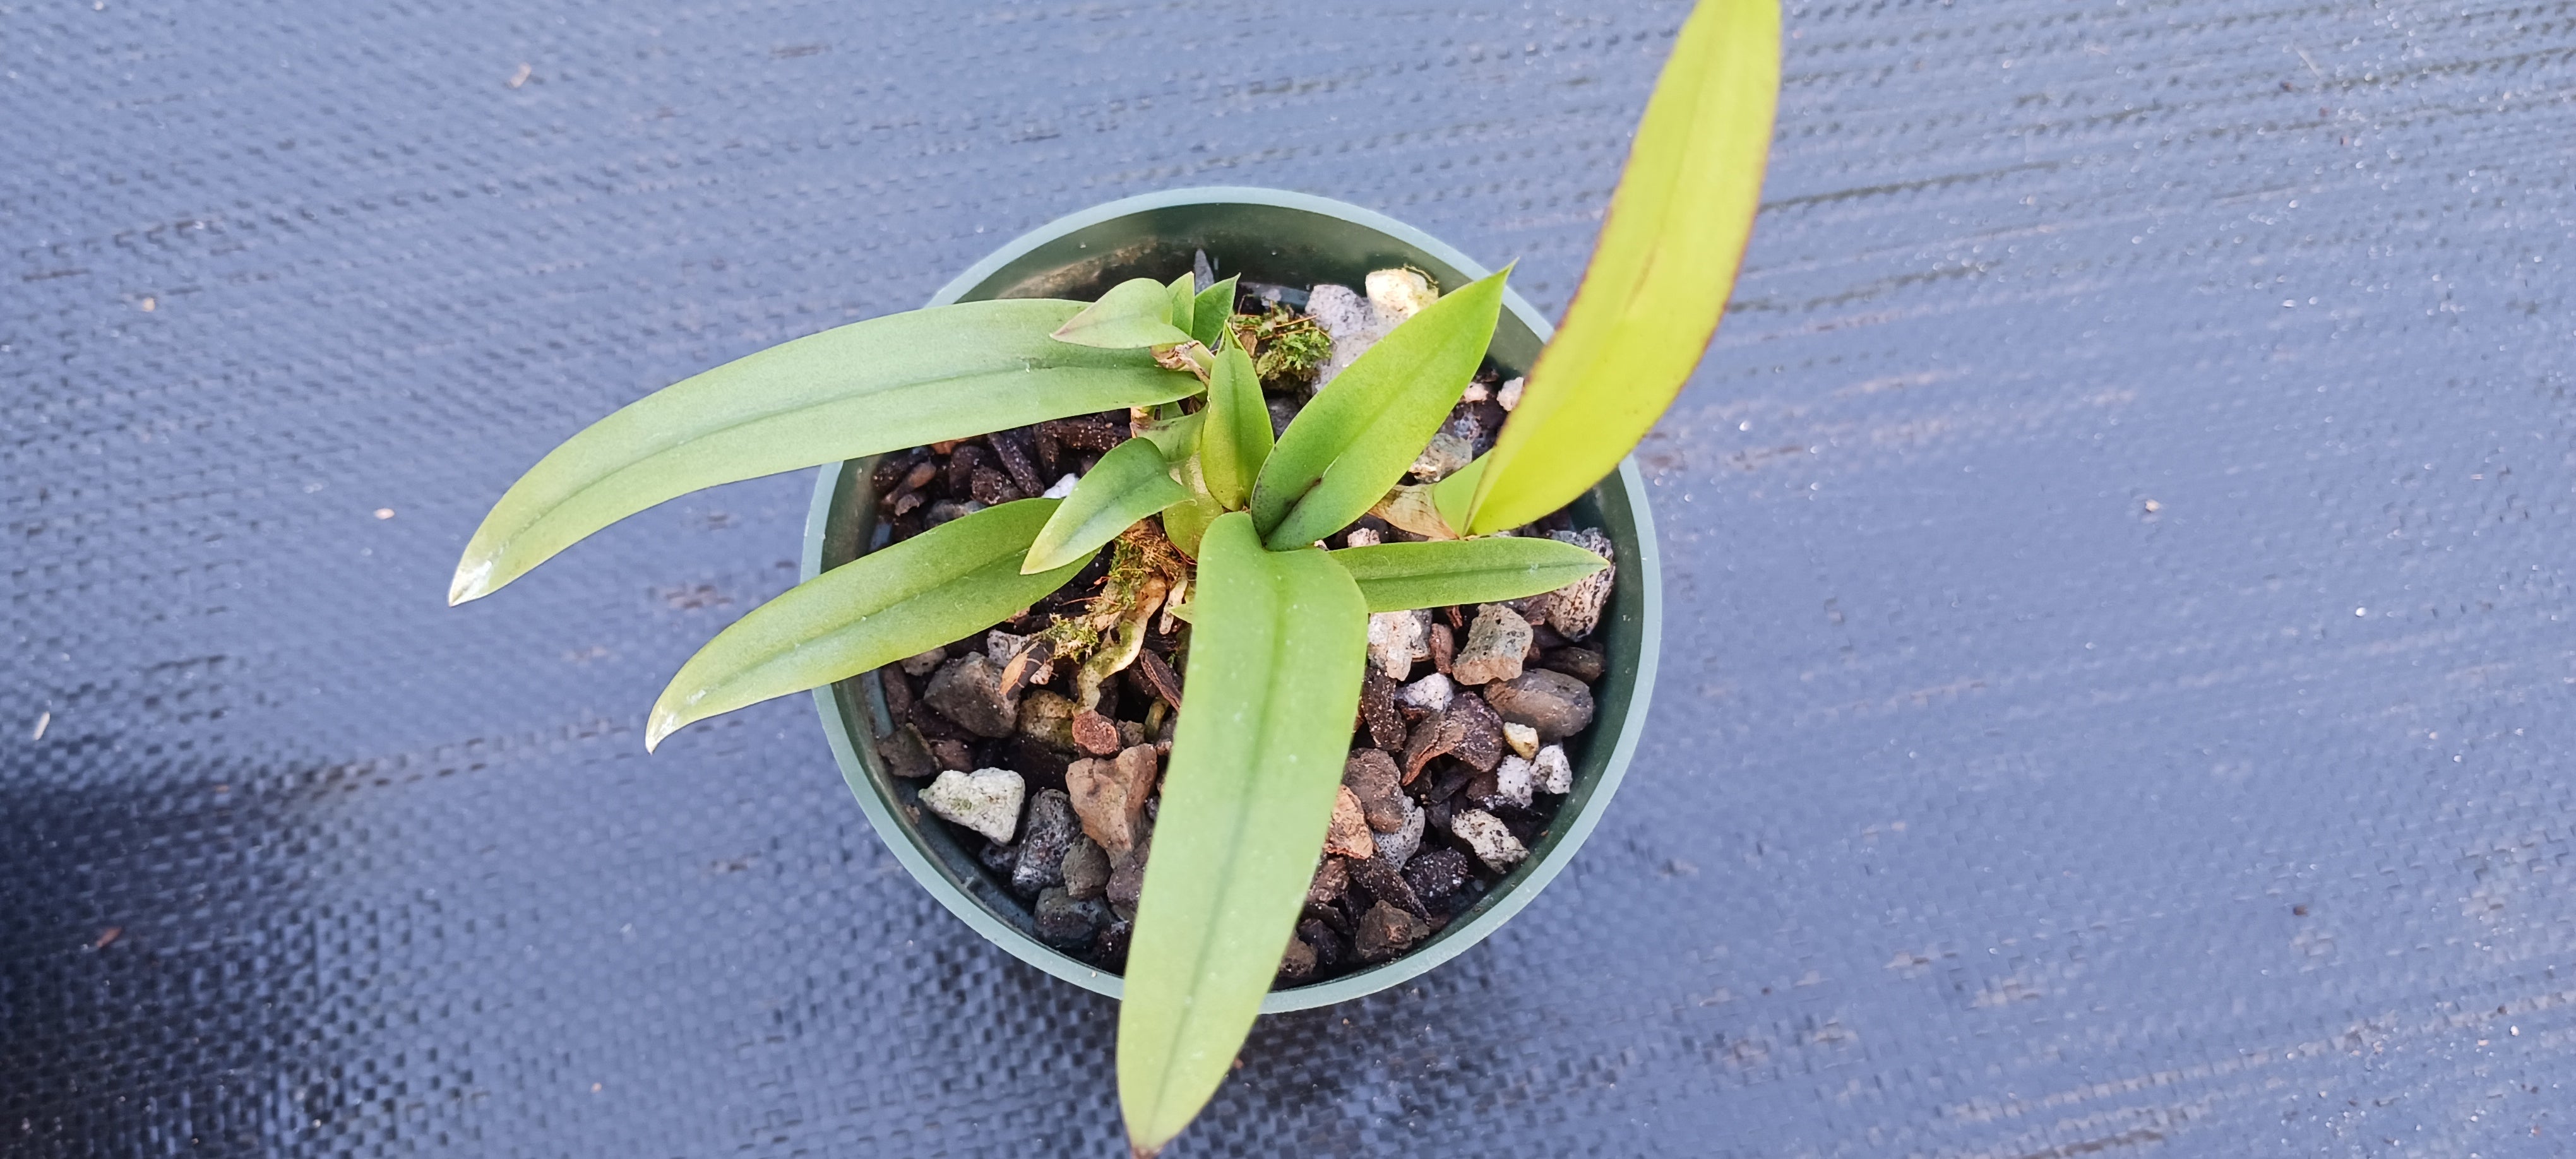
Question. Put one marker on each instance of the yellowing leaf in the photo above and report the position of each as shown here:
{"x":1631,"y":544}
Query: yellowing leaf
{"x":1276,"y":652}
{"x":1660,"y":274}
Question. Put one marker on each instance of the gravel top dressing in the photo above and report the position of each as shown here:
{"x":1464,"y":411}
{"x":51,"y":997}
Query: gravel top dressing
{"x":1042,"y":741}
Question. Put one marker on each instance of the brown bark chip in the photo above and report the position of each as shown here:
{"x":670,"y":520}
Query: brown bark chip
{"x":1377,"y":708}
{"x":1349,"y":835}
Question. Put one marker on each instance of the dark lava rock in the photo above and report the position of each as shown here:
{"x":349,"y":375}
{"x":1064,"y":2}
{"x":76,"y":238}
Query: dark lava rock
{"x":1065,"y":921}
{"x":1330,"y":950}
{"x":1086,"y":868}
{"x":1480,"y":743}
{"x":1298,"y":964}
{"x":1437,"y":874}
{"x":898,"y":693}
{"x":1377,"y":708}
{"x":1330,"y":879}
{"x":1555,"y":704}
{"x":968,"y":690}
{"x":993,"y":488}
{"x":1372,"y":777}
{"x":1583,"y":664}
{"x":1127,"y":874}
{"x":906,"y":754}
{"x":1385,"y":884}
{"x":1110,"y":948}
{"x":1001,"y":859}
{"x":953,"y":754}
{"x":1386,"y":930}
{"x":1047,"y":832}
{"x":1040,"y":766}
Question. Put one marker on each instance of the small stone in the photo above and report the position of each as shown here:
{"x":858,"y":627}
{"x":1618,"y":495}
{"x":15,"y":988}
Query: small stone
{"x":1495,"y":644}
{"x":1397,"y":848}
{"x":1109,"y":796}
{"x":968,"y":690}
{"x":1480,"y":743}
{"x":1329,"y":950}
{"x":1331,"y":877}
{"x":1096,"y":734}
{"x":1063,"y":487}
{"x":1396,"y":640}
{"x":1385,"y":931}
{"x":1001,"y":646}
{"x":948,"y":509}
{"x":1444,"y":647}
{"x":1522,"y":738}
{"x":905,"y":754}
{"x":1384,"y":721}
{"x":1429,"y":694}
{"x":1349,"y":321}
{"x":1362,"y":537}
{"x":1085,"y":867}
{"x":1127,"y":875}
{"x":1476,"y":392}
{"x":986,"y":800}
{"x":1349,"y":834}
{"x":1383,"y":880}
{"x":952,"y":754}
{"x":1371,"y":776}
{"x":1044,"y":838}
{"x":1490,"y":838}
{"x":1434,"y":736}
{"x":1397,"y":294}
{"x":1298,"y":964}
{"x":1510,"y":394}
{"x":1437,"y":874}
{"x":1555,"y":704}
{"x":1513,"y":779}
{"x":1065,"y":921}
{"x":925,"y":663}
{"x":1001,"y":859}
{"x":1110,"y":948}
{"x":1583,"y":664}
{"x":1130,"y":734}
{"x":1576,"y":607}
{"x":1047,"y":718}
{"x":1551,"y":772}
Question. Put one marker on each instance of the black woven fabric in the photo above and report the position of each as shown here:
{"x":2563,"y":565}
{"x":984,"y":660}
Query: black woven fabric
{"x":2116,"y":687}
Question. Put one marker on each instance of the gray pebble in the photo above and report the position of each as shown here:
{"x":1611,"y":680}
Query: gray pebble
{"x":1086,"y":869}
{"x":1555,"y":704}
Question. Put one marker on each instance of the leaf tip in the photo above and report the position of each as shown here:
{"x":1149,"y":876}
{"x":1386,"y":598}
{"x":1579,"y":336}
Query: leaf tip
{"x":473,"y":581}
{"x":660,"y":725}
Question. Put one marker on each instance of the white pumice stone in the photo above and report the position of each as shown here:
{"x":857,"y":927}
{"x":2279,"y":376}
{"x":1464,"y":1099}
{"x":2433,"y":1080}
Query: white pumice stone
{"x":986,"y":800}
{"x":1554,"y":774}
{"x":1490,"y":838}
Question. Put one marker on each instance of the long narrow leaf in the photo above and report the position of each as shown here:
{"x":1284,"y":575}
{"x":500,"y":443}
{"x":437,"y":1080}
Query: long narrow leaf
{"x":1274,"y":678}
{"x":1129,"y":483}
{"x":861,"y":389}
{"x":1355,"y":439}
{"x":1397,"y":576}
{"x":879,"y":608}
{"x":1660,"y":274}
{"x":1136,"y":312}
{"x":1236,"y":438}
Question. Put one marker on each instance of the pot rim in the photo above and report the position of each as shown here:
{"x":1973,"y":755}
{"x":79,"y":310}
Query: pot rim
{"x":1488,"y":915}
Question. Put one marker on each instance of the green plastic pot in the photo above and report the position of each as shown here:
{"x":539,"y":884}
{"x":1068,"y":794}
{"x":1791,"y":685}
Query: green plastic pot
{"x":1296,"y":240}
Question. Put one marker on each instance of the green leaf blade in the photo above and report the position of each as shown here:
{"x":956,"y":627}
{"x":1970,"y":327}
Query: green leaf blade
{"x":1274,"y":678}
{"x":1129,"y":483}
{"x":879,"y":608}
{"x":1359,"y":434}
{"x":1394,"y":577}
{"x":856,"y":390}
{"x":1211,"y":311}
{"x":1134,"y":313}
{"x":1235,"y":440}
{"x":1660,"y":275}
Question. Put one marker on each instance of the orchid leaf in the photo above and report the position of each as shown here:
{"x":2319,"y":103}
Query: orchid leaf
{"x":1452,"y":498}
{"x":1235,"y":439}
{"x":1660,"y":275}
{"x":1274,"y":674}
{"x":1210,"y":313}
{"x":1176,"y":436}
{"x":887,"y":383}
{"x":898,"y":601}
{"x":1396,"y":576}
{"x":1134,"y":313}
{"x":1358,"y":435}
{"x":1129,"y":483}
{"x":1184,"y":304}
